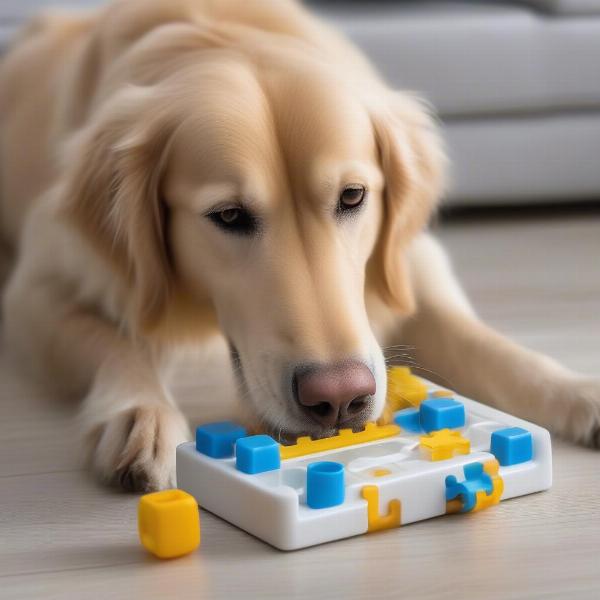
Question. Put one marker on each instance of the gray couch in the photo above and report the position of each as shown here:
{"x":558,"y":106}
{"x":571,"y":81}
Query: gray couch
{"x":517,"y":85}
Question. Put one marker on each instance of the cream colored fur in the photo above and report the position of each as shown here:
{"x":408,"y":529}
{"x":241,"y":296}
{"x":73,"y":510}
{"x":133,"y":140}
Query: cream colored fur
{"x":121,"y":129}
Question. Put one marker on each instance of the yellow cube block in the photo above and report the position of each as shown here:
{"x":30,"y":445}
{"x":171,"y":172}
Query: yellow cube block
{"x":169,"y":523}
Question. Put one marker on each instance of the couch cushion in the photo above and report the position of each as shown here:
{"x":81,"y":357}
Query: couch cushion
{"x":498,"y":160}
{"x":478,"y":58}
{"x":567,"y":7}
{"x":466,"y":58}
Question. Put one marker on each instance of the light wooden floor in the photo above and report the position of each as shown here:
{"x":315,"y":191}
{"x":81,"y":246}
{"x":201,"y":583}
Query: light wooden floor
{"x":62,"y":536}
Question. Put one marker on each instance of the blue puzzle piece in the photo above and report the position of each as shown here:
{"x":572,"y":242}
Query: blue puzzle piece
{"x":257,"y":454}
{"x":409,"y":420}
{"x":217,"y":439}
{"x":441,"y":413}
{"x":512,"y":446}
{"x":476,"y":480}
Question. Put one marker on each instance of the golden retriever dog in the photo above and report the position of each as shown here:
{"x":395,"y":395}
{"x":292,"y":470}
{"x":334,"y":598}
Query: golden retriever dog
{"x":175,"y":170}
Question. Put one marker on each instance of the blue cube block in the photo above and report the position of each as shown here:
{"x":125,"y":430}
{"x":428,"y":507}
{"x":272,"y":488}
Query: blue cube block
{"x":409,"y":419}
{"x":441,"y":413}
{"x":217,"y":439}
{"x":325,"y":486}
{"x":512,"y":446}
{"x":257,"y":454}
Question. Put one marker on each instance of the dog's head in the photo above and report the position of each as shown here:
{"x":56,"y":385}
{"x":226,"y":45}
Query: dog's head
{"x":275,"y":197}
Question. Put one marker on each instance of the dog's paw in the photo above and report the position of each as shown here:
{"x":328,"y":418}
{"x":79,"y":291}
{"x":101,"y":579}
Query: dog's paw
{"x":581,"y":421}
{"x":135,"y":449}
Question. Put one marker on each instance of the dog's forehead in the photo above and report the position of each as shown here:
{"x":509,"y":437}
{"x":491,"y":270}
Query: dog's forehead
{"x":316,"y":113}
{"x":325,"y":134}
{"x":222,"y":135}
{"x":294,"y":129}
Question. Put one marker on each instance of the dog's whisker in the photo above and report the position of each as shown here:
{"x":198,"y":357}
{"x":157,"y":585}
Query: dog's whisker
{"x":387,"y":358}
{"x":419,"y":367}
{"x":401,"y":360}
{"x":398,"y":347}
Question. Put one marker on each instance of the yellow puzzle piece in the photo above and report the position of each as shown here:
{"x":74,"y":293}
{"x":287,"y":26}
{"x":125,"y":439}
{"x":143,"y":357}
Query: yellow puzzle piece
{"x":378,"y":522}
{"x":491,"y":467}
{"x":345,"y":437}
{"x":169,"y":523}
{"x":405,"y":390}
{"x":444,"y":444}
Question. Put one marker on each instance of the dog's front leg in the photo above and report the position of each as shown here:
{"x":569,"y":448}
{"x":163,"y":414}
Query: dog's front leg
{"x":129,"y":422}
{"x":479,"y":362}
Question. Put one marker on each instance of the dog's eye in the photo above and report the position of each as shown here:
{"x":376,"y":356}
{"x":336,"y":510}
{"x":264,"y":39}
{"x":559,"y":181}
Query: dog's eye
{"x":235,"y":219}
{"x":351,"y":198}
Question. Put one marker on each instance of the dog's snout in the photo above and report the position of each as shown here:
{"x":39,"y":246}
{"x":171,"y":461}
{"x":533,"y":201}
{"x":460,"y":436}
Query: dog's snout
{"x":335,"y":393}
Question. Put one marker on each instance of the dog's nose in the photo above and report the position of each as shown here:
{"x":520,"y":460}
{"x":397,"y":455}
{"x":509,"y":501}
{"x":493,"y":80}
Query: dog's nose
{"x":332,"y":394}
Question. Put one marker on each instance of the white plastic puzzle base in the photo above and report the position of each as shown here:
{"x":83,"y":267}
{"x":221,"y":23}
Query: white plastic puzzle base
{"x":272,"y":505}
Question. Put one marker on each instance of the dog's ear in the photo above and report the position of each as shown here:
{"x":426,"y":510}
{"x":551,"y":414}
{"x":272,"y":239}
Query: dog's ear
{"x":112,"y":195}
{"x":413,"y":164}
